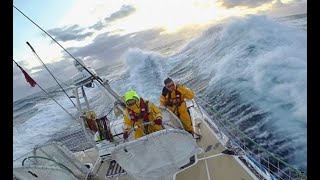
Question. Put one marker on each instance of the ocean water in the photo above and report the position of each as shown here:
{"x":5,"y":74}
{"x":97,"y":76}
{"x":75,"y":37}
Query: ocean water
{"x":253,"y":70}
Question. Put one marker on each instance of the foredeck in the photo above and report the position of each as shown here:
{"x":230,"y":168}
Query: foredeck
{"x":212,"y":164}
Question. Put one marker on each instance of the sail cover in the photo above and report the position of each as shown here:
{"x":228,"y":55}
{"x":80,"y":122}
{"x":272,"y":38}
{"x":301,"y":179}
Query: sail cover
{"x":156,"y":156}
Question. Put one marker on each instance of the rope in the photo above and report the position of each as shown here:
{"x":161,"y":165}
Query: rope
{"x":147,"y":123}
{"x":169,"y":125}
{"x":245,"y":136}
{"x":138,"y":126}
{"x":110,"y":110}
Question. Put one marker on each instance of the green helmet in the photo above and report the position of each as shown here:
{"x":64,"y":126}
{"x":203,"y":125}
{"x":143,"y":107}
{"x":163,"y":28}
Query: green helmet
{"x":131,"y":95}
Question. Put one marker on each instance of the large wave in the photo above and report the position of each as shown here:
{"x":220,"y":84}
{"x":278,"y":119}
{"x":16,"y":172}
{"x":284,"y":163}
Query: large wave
{"x":252,"y":69}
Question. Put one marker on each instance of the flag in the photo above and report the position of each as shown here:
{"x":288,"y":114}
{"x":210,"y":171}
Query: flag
{"x":28,"y":78}
{"x":26,"y":75}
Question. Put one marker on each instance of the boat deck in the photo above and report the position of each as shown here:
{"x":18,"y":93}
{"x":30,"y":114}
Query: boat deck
{"x":102,"y":168}
{"x":210,"y":164}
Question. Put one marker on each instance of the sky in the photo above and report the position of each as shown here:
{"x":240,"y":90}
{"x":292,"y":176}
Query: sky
{"x":100,"y":31}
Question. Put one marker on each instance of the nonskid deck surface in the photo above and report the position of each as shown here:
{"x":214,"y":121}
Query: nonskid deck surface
{"x":212,"y":163}
{"x":219,"y":165}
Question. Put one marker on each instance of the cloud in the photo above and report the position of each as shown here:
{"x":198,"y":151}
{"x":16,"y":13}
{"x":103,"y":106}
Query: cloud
{"x":291,"y":8}
{"x":279,"y":7}
{"x":247,"y":3}
{"x":108,"y":49}
{"x":98,"y":26}
{"x":125,"y":11}
{"x":73,"y":32}
{"x":105,"y":49}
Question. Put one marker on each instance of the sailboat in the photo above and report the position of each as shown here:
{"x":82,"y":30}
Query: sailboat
{"x":219,"y":151}
{"x":98,"y":150}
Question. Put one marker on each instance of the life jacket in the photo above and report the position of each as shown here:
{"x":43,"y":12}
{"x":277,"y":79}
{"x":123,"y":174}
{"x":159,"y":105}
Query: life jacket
{"x":143,"y":112}
{"x":90,"y":118}
{"x":169,"y":101}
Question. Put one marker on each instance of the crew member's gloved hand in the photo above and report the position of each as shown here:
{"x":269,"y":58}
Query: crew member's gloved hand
{"x":125,"y":135}
{"x":164,"y":91}
{"x":158,"y":121}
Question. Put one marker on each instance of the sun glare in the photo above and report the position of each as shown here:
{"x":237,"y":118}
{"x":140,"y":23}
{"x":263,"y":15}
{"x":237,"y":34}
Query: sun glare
{"x":170,"y":15}
{"x":174,"y":14}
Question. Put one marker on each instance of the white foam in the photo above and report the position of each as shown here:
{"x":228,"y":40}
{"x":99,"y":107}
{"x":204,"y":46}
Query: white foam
{"x":263,"y":60}
{"x":49,"y":120}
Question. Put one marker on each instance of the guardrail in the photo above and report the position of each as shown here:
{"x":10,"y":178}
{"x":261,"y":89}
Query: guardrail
{"x":263,"y":160}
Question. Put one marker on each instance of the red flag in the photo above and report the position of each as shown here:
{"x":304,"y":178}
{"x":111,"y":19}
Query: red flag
{"x":26,"y":75}
{"x":28,"y":78}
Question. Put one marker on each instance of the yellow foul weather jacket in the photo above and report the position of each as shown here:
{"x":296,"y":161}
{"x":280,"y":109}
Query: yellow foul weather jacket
{"x":174,"y":100}
{"x":153,"y":113}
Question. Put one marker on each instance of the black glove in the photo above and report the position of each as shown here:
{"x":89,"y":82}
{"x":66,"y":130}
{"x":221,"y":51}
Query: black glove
{"x":125,"y":135}
{"x":164,"y":91}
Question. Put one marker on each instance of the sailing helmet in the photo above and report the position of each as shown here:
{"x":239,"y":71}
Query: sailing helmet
{"x":131,"y":95}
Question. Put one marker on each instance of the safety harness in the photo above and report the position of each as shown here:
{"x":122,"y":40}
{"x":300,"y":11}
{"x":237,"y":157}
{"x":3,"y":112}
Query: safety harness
{"x":144,"y":113}
{"x":169,"y":101}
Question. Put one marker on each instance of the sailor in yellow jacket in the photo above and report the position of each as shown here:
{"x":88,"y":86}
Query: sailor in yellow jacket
{"x":172,"y":97}
{"x":140,"y":111}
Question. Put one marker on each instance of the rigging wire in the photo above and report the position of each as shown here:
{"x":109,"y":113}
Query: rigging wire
{"x":51,"y":97}
{"x":110,"y":90}
{"x":34,"y":52}
{"x":67,"y":86}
